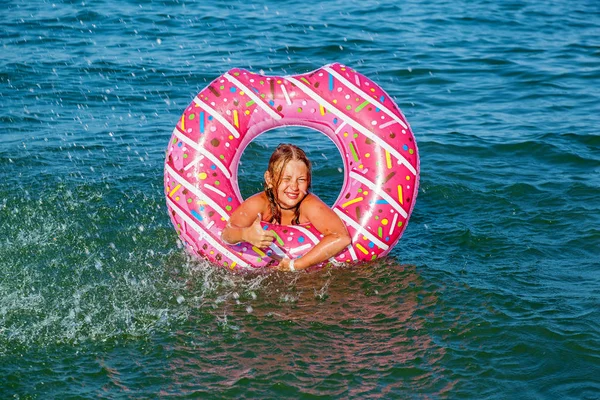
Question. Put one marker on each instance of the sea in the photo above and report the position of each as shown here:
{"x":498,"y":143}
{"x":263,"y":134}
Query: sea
{"x":493,"y":292}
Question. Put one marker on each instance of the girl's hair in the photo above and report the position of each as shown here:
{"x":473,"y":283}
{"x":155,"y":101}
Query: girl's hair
{"x":283,"y":154}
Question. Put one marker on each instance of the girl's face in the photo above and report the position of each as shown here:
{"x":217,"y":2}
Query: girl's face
{"x":293,"y":186}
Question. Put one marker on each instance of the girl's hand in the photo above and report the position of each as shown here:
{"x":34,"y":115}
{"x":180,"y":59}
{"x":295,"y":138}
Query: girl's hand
{"x":257,"y":236}
{"x":285,"y":265}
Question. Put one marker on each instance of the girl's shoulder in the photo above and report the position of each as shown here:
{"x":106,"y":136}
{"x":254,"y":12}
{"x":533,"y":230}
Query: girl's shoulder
{"x":257,"y":203}
{"x":258,"y":198}
{"x":311,"y":199}
{"x":312,"y":204}
{"x":245,"y":214}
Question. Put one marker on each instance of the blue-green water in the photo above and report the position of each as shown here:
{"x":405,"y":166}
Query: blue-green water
{"x":493,"y":292}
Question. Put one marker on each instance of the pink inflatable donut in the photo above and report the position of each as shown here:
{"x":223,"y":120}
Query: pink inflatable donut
{"x":379,"y":152}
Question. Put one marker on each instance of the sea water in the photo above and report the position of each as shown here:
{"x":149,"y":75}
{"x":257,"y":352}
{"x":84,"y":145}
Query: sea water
{"x":493,"y":291}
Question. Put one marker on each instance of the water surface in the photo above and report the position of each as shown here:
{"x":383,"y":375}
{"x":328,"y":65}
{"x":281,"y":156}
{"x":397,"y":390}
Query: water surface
{"x":493,"y":292}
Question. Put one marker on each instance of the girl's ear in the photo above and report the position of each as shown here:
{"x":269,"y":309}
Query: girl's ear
{"x":268,"y":179}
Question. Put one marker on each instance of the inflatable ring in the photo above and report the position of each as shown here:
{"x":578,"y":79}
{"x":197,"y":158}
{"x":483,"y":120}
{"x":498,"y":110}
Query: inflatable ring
{"x":377,"y":146}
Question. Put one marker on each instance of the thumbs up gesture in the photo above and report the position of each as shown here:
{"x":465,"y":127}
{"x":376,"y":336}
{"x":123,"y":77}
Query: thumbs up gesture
{"x":257,"y":236}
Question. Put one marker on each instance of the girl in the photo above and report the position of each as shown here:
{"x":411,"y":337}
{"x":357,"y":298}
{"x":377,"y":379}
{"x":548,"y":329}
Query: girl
{"x":287,"y":201}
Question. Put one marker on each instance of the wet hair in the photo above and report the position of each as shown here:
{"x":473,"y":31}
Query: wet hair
{"x":283,"y":154}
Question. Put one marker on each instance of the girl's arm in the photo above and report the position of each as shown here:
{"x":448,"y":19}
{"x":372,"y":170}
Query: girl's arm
{"x":244,"y":224}
{"x":335,"y":235}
